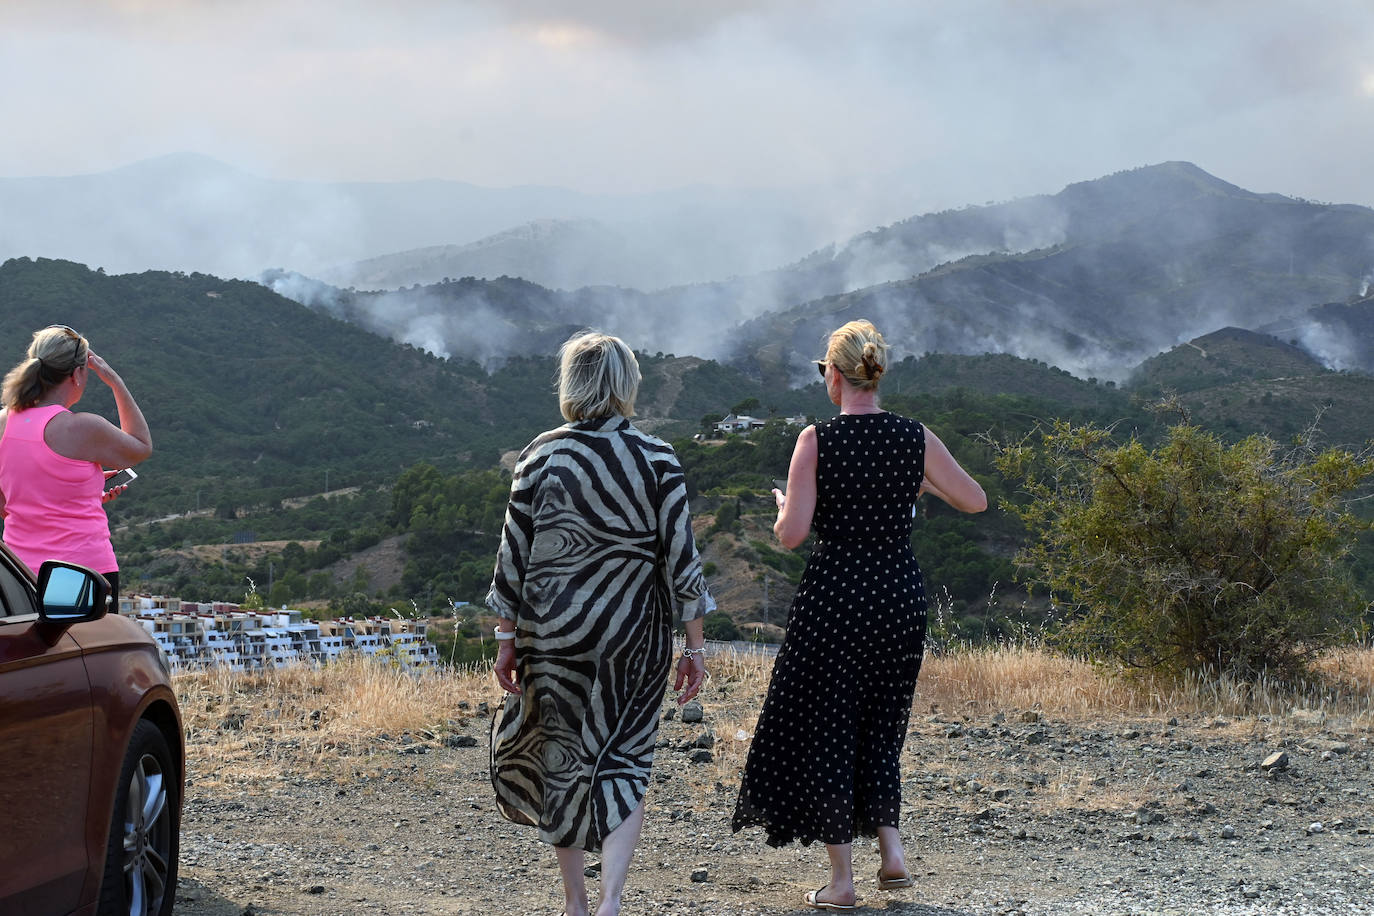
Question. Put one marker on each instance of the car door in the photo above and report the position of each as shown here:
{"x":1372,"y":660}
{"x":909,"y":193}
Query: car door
{"x":45,"y":756}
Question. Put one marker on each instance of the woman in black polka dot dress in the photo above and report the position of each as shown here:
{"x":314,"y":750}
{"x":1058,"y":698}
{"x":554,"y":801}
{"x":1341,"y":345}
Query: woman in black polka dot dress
{"x":823,"y":765}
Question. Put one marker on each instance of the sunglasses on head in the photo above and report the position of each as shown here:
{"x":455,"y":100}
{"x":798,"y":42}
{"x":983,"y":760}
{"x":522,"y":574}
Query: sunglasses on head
{"x":71,"y":333}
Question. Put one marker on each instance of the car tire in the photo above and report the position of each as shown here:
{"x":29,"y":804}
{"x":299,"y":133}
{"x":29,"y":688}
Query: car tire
{"x":141,"y":856}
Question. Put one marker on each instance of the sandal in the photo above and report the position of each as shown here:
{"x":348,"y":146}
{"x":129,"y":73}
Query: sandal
{"x":816,"y":904}
{"x":893,"y":882}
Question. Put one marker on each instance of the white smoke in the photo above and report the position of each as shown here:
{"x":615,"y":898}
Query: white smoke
{"x":923,"y":243}
{"x":411,"y":320}
{"x":308,"y":292}
{"x":1328,"y":344}
{"x":1051,"y":230}
{"x":402,"y":317}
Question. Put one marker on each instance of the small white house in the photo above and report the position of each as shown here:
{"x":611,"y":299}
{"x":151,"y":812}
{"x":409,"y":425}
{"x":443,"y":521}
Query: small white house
{"x":742,"y":425}
{"x":739,"y":424}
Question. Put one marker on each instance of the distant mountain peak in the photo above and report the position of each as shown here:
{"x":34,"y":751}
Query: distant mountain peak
{"x":1223,"y":356}
{"x":558,"y":253}
{"x":1176,"y":175}
{"x":1248,"y":338}
{"x":183,"y":165}
{"x":538,"y":229}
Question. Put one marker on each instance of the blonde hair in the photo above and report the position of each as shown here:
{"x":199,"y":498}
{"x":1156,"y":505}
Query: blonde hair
{"x":598,"y":375}
{"x":859,"y":351}
{"x":51,"y":361}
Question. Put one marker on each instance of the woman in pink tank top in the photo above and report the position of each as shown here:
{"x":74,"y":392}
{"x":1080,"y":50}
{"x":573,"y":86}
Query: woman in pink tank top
{"x":52,"y":482}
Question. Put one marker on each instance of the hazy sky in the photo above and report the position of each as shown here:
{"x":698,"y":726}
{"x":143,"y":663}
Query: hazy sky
{"x":936,"y":103}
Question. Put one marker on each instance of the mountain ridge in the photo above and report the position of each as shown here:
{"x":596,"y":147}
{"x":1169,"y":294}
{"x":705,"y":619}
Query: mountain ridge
{"x":1168,"y":272}
{"x":1095,"y":279}
{"x":190,"y":212}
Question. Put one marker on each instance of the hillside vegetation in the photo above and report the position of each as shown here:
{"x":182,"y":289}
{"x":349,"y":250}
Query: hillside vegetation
{"x":446,"y":522}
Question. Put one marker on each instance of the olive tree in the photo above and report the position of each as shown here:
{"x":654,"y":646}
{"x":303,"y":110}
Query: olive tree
{"x":1196,"y":555}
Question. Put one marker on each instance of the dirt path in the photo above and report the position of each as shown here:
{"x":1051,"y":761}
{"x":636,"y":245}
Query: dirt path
{"x":672,"y":371}
{"x":1002,"y":815}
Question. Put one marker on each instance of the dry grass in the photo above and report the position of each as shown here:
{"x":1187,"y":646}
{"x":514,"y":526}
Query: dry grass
{"x":1011,"y":677}
{"x":322,"y":720}
{"x":735,"y":693}
{"x":331,"y":720}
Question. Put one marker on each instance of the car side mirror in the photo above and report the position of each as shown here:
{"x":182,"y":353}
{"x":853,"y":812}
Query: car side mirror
{"x":68,"y":593}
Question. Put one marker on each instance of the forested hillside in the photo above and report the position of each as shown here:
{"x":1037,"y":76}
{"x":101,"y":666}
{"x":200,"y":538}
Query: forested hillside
{"x":252,"y":397}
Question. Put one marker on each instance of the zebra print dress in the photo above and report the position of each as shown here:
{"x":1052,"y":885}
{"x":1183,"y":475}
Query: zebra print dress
{"x":596,"y":557}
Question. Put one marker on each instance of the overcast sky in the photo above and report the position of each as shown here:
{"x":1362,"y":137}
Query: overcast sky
{"x":926,"y":104}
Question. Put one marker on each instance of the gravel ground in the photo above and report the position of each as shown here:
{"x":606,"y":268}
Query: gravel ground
{"x":1007,"y":813}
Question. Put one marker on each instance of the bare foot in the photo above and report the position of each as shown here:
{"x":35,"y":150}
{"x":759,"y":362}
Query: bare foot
{"x":832,"y":896}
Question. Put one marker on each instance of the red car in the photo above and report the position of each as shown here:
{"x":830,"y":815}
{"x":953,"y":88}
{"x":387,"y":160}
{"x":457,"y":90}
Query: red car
{"x":92,"y":763}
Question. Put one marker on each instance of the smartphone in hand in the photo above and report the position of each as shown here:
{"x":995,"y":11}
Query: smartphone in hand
{"x":781,"y":484}
{"x":121,"y":478}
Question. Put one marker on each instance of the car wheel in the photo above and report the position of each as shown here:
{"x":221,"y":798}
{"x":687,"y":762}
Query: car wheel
{"x":141,"y":857}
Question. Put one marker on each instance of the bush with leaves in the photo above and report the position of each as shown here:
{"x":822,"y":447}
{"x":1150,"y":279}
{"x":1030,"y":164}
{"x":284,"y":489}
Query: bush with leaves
{"x":721,"y":626}
{"x":1195,"y":555}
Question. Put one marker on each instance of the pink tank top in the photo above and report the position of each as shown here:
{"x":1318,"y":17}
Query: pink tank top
{"x":52,"y":503}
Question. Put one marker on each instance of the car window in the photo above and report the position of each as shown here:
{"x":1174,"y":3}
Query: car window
{"x":14,"y":591}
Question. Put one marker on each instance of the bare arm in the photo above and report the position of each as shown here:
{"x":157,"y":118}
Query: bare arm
{"x":945,"y":478}
{"x":696,"y":632}
{"x":691,"y":670}
{"x":504,"y":667}
{"x":928,"y":487}
{"x":4,"y":416}
{"x":89,"y":437}
{"x":796,"y":509}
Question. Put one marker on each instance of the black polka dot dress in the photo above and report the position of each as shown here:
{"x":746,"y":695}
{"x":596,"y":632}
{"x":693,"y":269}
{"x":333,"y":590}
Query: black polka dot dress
{"x":823,"y":765}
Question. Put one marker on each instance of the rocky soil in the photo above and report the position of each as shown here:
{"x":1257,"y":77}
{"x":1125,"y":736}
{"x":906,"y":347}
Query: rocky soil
{"x":1006,"y":812}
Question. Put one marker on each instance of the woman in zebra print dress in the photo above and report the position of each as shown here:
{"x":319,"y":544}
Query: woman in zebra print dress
{"x":596,"y":560}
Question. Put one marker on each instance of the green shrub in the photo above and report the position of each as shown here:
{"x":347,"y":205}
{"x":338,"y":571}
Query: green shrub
{"x":1196,"y":555}
{"x":720,"y":625}
{"x":727,"y":517}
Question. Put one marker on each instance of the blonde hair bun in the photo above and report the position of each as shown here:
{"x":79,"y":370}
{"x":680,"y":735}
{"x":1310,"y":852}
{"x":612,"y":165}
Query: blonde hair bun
{"x":859,"y":351}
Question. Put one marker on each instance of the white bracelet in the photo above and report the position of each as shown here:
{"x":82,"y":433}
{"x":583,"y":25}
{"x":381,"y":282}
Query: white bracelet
{"x":504,"y":634}
{"x":688,"y":653}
